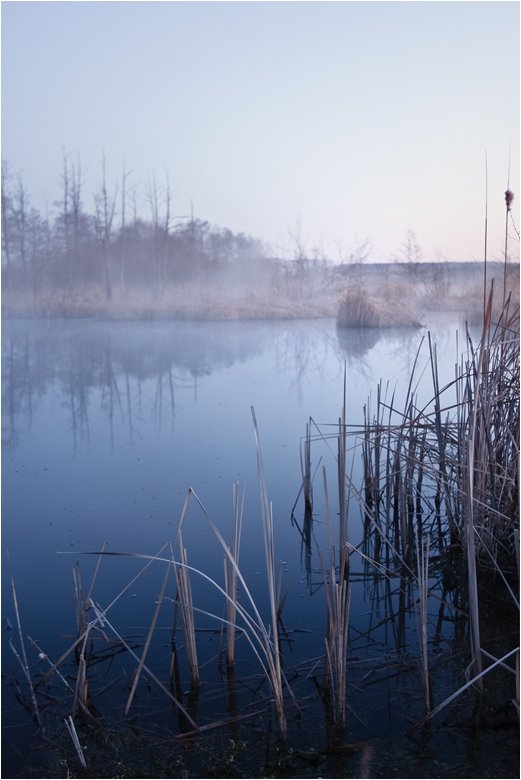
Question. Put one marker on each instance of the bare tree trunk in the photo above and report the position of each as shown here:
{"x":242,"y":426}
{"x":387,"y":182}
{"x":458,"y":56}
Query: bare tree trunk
{"x":166,"y":230}
{"x":122,"y":237}
{"x":66,"y":220}
{"x":105,"y":208}
{"x":153,"y":200}
{"x":20,"y":213}
{"x":6,"y":246}
{"x":76,"y":184}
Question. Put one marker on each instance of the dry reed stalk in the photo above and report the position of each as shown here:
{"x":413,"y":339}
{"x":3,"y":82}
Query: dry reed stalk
{"x":101,"y":618}
{"x":260,"y":637}
{"x":516,"y":701}
{"x":269,"y":550}
{"x":485,"y":248}
{"x":71,"y":728}
{"x":476,"y":679}
{"x":475,"y":457}
{"x":338,"y":592}
{"x":148,"y":640}
{"x":305,"y":464}
{"x":230,"y":572}
{"x":422,"y":564}
{"x":22,"y":656}
{"x":81,"y":690}
{"x":185,"y":602}
{"x":509,"y":197}
{"x":441,"y":454}
{"x":82,"y":602}
{"x":342,"y":498}
{"x":44,"y":657}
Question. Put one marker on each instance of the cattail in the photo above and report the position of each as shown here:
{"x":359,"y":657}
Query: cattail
{"x":509,"y":197}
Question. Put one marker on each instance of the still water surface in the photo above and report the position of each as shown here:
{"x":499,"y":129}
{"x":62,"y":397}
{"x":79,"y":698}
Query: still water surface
{"x":106,"y":426}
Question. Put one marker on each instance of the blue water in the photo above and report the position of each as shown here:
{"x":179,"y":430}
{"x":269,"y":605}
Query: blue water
{"x":107,"y":425}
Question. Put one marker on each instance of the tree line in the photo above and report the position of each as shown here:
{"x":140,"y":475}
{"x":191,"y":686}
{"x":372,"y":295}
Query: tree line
{"x":129,"y":239}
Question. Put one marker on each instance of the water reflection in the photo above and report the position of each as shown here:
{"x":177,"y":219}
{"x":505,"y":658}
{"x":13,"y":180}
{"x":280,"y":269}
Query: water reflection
{"x":356,"y":342}
{"x":111,"y":363}
{"x":130,"y":370}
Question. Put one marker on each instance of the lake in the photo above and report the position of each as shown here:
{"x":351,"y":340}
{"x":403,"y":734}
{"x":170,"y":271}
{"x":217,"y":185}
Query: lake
{"x":105,"y":428}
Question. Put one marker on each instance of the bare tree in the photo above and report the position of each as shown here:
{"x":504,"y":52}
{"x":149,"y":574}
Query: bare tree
{"x":153,"y":202}
{"x":74,"y":191}
{"x":160,"y":202}
{"x":166,"y":227}
{"x":105,"y":208}
{"x":65,"y":216}
{"x":411,"y":253}
{"x":122,"y":234}
{"x":6,"y":216}
{"x":20,"y":216}
{"x":39,"y":238}
{"x":410,"y":250}
{"x":299,"y":259}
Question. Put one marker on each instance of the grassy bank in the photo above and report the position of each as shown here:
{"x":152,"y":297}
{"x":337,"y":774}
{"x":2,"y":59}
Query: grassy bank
{"x":369,"y":295}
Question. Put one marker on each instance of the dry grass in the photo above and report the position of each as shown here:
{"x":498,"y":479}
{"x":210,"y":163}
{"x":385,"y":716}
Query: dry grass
{"x":359,"y":310}
{"x":468,"y":454}
{"x":383,"y":296}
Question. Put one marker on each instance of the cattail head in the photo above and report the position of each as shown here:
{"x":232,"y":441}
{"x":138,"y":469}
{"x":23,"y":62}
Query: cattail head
{"x":509,"y":197}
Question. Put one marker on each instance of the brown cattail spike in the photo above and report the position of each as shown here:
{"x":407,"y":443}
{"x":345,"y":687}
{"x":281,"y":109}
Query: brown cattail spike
{"x":509,"y":197}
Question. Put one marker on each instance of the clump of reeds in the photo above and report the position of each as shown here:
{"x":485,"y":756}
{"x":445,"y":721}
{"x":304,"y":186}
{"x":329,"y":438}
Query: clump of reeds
{"x":338,"y":592}
{"x":459,"y":460}
{"x":357,"y":310}
{"x":263,"y":639}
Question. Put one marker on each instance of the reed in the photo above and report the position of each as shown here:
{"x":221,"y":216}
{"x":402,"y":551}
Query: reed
{"x":343,"y":498}
{"x":269,"y":551}
{"x":305,"y":464}
{"x":184,"y":601}
{"x":467,"y":451}
{"x":422,"y":577}
{"x":101,"y":623}
{"x":358,"y":309}
{"x":230,"y":572}
{"x":21,"y":656}
{"x":264,"y":640}
{"x":71,"y":728}
{"x":159,"y":603}
{"x":338,"y":593}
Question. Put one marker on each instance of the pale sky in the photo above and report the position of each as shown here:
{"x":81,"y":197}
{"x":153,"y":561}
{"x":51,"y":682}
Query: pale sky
{"x":355,"y":119}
